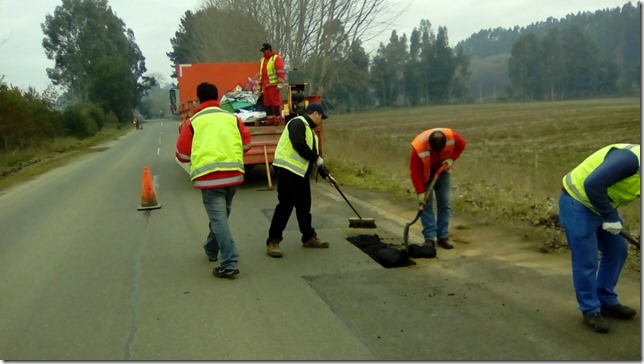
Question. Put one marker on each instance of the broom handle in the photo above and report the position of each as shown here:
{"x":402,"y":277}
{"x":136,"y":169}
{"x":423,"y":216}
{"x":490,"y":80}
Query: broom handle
{"x":331,"y":181}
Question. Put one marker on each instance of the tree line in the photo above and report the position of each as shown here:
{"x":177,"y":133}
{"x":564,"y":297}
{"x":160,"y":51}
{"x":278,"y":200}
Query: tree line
{"x":99,"y":71}
{"x":579,"y":56}
{"x":605,"y":44}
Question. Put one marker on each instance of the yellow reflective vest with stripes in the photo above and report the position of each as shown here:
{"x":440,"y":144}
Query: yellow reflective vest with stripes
{"x":621,"y":193}
{"x":217,"y":144}
{"x":287,"y":157}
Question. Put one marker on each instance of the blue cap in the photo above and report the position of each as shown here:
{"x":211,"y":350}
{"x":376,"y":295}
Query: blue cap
{"x":313,"y":107}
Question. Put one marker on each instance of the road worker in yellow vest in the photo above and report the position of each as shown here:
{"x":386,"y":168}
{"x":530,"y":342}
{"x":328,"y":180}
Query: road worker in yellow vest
{"x":591,"y":194}
{"x":296,"y":155}
{"x":271,"y":69}
{"x":214,"y":142}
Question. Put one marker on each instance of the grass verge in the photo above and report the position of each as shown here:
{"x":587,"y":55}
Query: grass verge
{"x":512,"y":167}
{"x":22,"y":164}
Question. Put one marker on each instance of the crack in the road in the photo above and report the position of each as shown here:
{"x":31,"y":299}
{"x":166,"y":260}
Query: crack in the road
{"x":136,"y":288}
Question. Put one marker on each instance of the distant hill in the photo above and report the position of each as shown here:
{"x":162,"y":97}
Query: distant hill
{"x":615,"y":32}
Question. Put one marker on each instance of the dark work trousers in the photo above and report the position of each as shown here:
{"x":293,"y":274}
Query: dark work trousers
{"x":293,"y":191}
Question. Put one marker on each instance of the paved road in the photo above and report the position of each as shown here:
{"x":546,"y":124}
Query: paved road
{"x":85,"y":276}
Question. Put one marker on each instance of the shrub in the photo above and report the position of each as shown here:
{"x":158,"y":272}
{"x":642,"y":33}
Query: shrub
{"x":78,"y":122}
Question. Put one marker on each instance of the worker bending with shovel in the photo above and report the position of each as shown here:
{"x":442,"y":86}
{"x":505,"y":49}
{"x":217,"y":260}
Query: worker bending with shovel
{"x":296,"y":154}
{"x":432,"y":149}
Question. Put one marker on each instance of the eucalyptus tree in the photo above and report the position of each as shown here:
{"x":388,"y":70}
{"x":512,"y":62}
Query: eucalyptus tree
{"x":96,"y":59}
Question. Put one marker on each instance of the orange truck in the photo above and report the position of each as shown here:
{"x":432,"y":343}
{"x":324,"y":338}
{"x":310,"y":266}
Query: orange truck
{"x":232,"y":77}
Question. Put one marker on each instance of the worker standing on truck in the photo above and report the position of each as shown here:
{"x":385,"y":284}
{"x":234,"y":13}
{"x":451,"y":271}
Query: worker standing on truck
{"x":295,"y":155}
{"x":271,"y":69}
{"x":591,"y":194}
{"x":214,"y":141}
{"x":431,"y":149}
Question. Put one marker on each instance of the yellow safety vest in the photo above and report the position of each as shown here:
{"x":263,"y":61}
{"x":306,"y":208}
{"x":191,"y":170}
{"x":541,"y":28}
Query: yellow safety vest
{"x":621,"y":193}
{"x":270,"y":69}
{"x":287,"y":157}
{"x":216,"y":143}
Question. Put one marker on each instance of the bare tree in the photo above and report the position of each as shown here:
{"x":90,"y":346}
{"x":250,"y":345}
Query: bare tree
{"x":311,"y":34}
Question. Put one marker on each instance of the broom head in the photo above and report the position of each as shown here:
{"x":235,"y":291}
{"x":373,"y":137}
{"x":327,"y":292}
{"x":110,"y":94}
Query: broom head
{"x":355,"y":222}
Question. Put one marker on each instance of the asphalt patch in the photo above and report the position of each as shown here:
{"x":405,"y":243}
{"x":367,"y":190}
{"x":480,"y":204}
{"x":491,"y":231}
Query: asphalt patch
{"x":387,"y":255}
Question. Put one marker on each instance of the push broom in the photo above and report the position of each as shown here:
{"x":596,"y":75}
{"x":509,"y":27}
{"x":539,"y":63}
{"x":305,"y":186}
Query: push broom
{"x":359,"y":222}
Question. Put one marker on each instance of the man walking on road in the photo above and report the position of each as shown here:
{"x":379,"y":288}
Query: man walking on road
{"x":214,"y":141}
{"x":588,"y":204}
{"x":430,"y":150}
{"x":271,"y":69}
{"x":295,"y":155}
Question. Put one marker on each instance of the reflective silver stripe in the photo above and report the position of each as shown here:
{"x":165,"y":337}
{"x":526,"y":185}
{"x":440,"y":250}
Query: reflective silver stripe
{"x":449,"y":142}
{"x":425,"y":137}
{"x":210,"y":110}
{"x":424,"y":154}
{"x":228,"y":166}
{"x":247,"y":146}
{"x":284,"y":164}
{"x":572,"y":187}
{"x":183,"y":156}
{"x":218,"y":182}
{"x":298,"y":158}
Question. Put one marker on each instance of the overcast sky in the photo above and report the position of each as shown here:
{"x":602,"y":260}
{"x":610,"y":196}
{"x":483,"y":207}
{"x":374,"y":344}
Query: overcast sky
{"x":23,"y":61}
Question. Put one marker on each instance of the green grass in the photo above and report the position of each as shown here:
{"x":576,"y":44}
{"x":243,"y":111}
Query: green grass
{"x":512,"y":167}
{"x":22,"y":164}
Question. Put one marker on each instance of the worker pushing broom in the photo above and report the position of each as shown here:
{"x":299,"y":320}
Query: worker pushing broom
{"x":296,"y":155}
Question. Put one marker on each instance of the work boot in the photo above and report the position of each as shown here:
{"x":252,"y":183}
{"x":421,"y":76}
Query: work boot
{"x":314,"y":242}
{"x":444,"y":243}
{"x":596,"y":321}
{"x":273,"y":249}
{"x":618,"y":311}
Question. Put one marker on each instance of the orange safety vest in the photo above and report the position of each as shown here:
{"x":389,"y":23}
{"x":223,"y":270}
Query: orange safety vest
{"x":421,"y":146}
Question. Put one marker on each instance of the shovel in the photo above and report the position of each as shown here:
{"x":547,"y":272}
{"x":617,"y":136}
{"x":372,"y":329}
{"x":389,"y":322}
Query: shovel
{"x":630,"y":239}
{"x":428,"y":193}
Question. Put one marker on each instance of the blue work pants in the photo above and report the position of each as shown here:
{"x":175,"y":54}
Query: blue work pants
{"x":594,"y":278}
{"x":437,"y":226}
{"x":218,"y":202}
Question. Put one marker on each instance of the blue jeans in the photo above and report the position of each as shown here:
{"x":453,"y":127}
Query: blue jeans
{"x":217,"y":202}
{"x":594,"y":280}
{"x":437,"y":227}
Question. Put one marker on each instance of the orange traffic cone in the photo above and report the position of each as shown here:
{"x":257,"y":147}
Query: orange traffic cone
{"x":148,"y":197}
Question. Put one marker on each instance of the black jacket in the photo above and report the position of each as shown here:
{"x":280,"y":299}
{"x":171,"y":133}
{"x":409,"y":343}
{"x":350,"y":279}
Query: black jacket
{"x":297,"y":135}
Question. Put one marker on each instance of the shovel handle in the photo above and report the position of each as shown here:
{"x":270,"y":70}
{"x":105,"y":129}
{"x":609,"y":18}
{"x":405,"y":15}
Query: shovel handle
{"x":433,"y":183}
{"x":630,"y":239}
{"x":427,"y":194}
